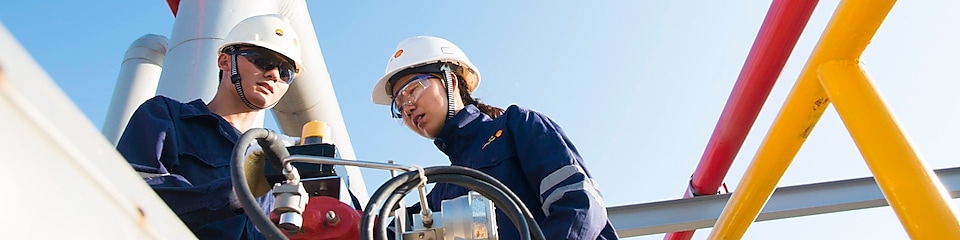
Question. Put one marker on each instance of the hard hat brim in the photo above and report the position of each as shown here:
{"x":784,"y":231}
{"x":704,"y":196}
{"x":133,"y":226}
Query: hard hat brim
{"x":381,"y":95}
{"x":379,"y":91}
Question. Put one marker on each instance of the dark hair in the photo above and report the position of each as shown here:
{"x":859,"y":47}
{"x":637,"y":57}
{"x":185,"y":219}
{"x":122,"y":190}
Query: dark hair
{"x":492,"y":111}
{"x":226,"y":50}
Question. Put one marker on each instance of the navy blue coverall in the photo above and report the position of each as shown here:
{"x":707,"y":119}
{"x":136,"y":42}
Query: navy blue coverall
{"x":532,"y":156}
{"x":189,"y":147}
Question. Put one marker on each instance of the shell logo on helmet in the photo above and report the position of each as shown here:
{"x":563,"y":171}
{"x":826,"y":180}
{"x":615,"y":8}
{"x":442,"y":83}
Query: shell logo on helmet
{"x":266,"y":31}
{"x":422,"y":51}
{"x":398,"y":53}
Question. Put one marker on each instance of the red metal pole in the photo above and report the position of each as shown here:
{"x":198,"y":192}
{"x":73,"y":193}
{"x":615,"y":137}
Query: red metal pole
{"x":778,"y":35}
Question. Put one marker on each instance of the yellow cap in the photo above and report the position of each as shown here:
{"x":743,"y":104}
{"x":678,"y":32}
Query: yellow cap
{"x":315,"y":129}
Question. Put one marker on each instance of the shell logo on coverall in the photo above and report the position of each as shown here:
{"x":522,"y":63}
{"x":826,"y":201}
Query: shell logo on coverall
{"x":494,"y":137}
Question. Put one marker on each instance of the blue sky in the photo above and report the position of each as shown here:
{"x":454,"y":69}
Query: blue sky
{"x":637,"y":85}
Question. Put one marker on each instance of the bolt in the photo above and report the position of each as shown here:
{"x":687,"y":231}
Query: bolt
{"x":332,"y":218}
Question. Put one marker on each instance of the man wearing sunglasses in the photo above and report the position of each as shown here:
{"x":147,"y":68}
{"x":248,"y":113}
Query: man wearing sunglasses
{"x":183,"y":149}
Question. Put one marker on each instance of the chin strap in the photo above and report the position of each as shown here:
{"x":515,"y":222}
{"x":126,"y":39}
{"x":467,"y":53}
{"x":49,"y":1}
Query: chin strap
{"x":448,"y":78}
{"x":235,"y":79}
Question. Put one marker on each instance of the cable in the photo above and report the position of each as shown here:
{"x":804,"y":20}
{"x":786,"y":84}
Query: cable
{"x":244,"y":195}
{"x":379,"y":196}
{"x":535,"y":227}
{"x":388,"y":195}
{"x":499,"y":198}
{"x":472,"y":179}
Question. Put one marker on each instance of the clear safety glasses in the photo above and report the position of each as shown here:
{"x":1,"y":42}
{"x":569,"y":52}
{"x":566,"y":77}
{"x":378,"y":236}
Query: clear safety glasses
{"x":268,"y":61}
{"x":409,"y":93}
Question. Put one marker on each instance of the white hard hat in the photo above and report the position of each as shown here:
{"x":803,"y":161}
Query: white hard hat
{"x":421,"y":51}
{"x":270,"y":31}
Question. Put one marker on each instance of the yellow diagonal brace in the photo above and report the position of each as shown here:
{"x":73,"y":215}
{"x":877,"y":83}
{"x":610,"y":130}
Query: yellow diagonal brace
{"x":853,"y":25}
{"x":913,"y":191}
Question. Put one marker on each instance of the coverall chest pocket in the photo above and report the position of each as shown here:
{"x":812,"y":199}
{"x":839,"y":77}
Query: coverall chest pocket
{"x":205,"y":159}
{"x":495,"y":158}
{"x":204,"y":162}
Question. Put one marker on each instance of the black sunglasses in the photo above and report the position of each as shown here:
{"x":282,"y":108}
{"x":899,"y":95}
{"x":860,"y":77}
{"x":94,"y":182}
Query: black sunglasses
{"x":268,"y":61}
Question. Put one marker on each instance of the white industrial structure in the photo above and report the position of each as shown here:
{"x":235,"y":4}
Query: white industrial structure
{"x":189,"y":72}
{"x":139,"y":76}
{"x":183,"y":68}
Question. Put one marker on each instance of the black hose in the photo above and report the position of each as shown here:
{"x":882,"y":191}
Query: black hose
{"x":534,"y":226}
{"x":476,"y":180}
{"x":244,"y":195}
{"x":499,"y":198}
{"x":398,"y":186}
{"x":379,"y":196}
{"x":273,"y":149}
{"x":385,"y":210}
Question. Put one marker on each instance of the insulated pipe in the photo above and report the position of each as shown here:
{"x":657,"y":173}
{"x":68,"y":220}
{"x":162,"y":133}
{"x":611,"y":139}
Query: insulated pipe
{"x":190,"y":68}
{"x":139,"y":76}
{"x":312,"y":97}
{"x":778,"y":35}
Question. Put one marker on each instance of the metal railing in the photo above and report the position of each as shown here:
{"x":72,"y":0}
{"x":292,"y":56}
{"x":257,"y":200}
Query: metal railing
{"x":833,"y":74}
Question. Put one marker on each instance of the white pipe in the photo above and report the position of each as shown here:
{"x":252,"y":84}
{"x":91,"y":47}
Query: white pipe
{"x":139,"y":76}
{"x":311,"y":97}
{"x":190,"y":69}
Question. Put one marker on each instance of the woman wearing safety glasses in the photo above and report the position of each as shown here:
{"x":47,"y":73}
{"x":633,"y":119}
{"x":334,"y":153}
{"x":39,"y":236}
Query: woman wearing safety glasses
{"x":183,"y":149}
{"x":427,"y":85}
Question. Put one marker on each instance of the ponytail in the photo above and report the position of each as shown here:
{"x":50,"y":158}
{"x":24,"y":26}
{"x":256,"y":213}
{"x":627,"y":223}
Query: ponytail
{"x":491,"y":111}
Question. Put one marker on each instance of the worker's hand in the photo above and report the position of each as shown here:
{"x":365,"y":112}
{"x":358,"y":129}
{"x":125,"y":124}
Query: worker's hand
{"x":253,"y":169}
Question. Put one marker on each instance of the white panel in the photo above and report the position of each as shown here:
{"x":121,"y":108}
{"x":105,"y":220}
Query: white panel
{"x":60,"y":178}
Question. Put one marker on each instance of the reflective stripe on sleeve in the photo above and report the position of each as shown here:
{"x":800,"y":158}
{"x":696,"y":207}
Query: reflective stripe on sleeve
{"x":586,"y":186}
{"x":558,"y":176}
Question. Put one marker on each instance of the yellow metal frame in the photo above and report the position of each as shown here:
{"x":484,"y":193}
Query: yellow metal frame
{"x":833,"y":73}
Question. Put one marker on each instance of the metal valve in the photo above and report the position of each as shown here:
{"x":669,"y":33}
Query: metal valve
{"x":291,"y":199}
